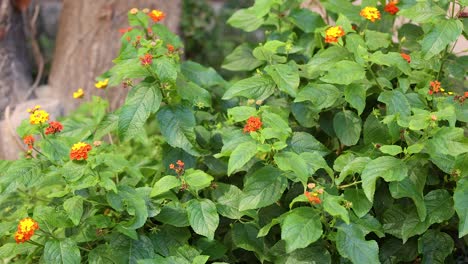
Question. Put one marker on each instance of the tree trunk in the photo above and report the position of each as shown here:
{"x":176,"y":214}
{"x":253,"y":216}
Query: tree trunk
{"x":15,"y":72}
{"x":88,"y":41}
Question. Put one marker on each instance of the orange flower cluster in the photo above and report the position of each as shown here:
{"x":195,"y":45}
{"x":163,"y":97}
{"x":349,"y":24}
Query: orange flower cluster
{"x":461,"y":98}
{"x":313,"y":193}
{"x":406,"y":57}
{"x":146,"y":60}
{"x":180,"y":167}
{"x":333,"y":33}
{"x":79,"y":151}
{"x":157,"y":15}
{"x":29,"y":140}
{"x":253,"y":124}
{"x":391,"y":8}
{"x":54,"y":127}
{"x":26,"y":229}
{"x":370,"y":13}
{"x":170,"y":48}
{"x":435,"y":88}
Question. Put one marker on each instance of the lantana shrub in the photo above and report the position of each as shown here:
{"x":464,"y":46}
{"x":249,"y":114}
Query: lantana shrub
{"x":344,"y":141}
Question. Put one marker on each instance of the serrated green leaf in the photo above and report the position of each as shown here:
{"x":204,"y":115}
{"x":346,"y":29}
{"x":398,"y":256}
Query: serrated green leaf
{"x":306,"y":20}
{"x":351,"y":244}
{"x":61,"y":252}
{"x":74,"y":208}
{"x":344,"y":72}
{"x":203,"y":217}
{"x":300,"y":228}
{"x":388,"y":168}
{"x":332,"y":205}
{"x":165,"y":184}
{"x":443,"y":32}
{"x":241,"y":59}
{"x":360,"y":204}
{"x":435,"y":246}
{"x":305,"y":142}
{"x":376,"y":40}
{"x":285,"y":77}
{"x":391,"y":59}
{"x":241,"y":155}
{"x":355,"y":95}
{"x":256,"y":87}
{"x":241,"y":113}
{"x":391,"y":150}
{"x":262,"y":188}
{"x":321,"y":95}
{"x":197,"y":180}
{"x":347,"y":126}
{"x":245,"y":19}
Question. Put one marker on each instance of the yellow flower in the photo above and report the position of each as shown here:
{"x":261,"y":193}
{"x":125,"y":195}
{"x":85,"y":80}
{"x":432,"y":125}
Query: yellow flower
{"x":102,"y":84}
{"x":370,"y":13}
{"x":78,"y":94}
{"x":27,"y":225}
{"x":333,"y":33}
{"x":38,"y":117}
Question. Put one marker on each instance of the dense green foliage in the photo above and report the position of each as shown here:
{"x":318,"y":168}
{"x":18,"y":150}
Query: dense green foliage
{"x":338,"y":152}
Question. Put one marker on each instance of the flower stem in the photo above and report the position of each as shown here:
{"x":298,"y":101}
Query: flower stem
{"x":349,"y":185}
{"x":30,"y":241}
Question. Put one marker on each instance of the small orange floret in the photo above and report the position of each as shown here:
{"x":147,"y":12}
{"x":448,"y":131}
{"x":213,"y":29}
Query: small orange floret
{"x":54,"y":127}
{"x":170,"y":48}
{"x":253,"y":124}
{"x":406,"y":57}
{"x":29,"y":140}
{"x":370,"y":13}
{"x":312,"y":197}
{"x":332,"y":34}
{"x":180,"y":163}
{"x":391,"y":8}
{"x":146,"y":60}
{"x":79,"y":151}
{"x":157,"y":15}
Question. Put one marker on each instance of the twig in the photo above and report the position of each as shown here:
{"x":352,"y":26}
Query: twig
{"x":36,"y":52}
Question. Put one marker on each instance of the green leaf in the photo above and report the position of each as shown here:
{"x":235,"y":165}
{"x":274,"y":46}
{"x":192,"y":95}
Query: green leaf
{"x":324,"y":60}
{"x":355,"y":165}
{"x":74,"y":208}
{"x":203,"y":217}
{"x":245,"y":19}
{"x":262,"y":188}
{"x":391,"y":150}
{"x":165,"y":184}
{"x":435,"y":246}
{"x":245,"y":236}
{"x":347,"y":126}
{"x":355,"y":95}
{"x":411,"y":187}
{"x":126,"y":69}
{"x":422,"y":12}
{"x":193,"y":93}
{"x":107,"y":125}
{"x":126,"y":250}
{"x":177,"y":126}
{"x":394,"y":251}
{"x":300,"y":228}
{"x":241,"y":113}
{"x":241,"y":59}
{"x":306,"y":20}
{"x":315,"y":253}
{"x":460,"y":198}
{"x":144,"y":99}
{"x":135,"y":206}
{"x":376,"y":131}
{"x":332,"y":205}
{"x":290,"y":161}
{"x":201,"y":75}
{"x":321,"y":95}
{"x":305,"y":142}
{"x":165,"y":69}
{"x":396,"y":102}
{"x":391,"y":59}
{"x":227,"y":200}
{"x":197,"y":180}
{"x":439,"y":204}
{"x":376,"y":40}
{"x":26,"y":172}
{"x":269,"y":52}
{"x":351,"y":244}
{"x":55,"y":149}
{"x":256,"y":87}
{"x":344,"y":72}
{"x":360,"y":204}
{"x":173,"y":214}
{"x":448,"y":141}
{"x":285,"y":76}
{"x":61,"y":252}
{"x":241,"y":155}
{"x":443,"y":32}
{"x":344,"y":7}
{"x":388,"y":168}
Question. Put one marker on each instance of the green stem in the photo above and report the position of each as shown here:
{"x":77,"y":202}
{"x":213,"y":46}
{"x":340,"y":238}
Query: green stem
{"x":375,"y":78}
{"x":349,"y":185}
{"x":30,"y":241}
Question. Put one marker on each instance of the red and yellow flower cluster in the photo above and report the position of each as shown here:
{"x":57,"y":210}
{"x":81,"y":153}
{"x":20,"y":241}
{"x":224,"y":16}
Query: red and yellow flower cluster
{"x":332,"y":34}
{"x":79,"y":151}
{"x":146,"y":60}
{"x":38,"y":116}
{"x":370,"y":13}
{"x":253,"y":124}
{"x":391,"y":7}
{"x":26,"y":229}
{"x":180,"y":167}
{"x":29,"y":140}
{"x":54,"y":127}
{"x":313,"y":193}
{"x":157,"y":15}
{"x":435,"y":88}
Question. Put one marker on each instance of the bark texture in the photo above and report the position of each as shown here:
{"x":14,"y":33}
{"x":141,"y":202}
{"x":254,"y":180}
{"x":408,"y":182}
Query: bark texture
{"x":88,"y":41}
{"x":15,"y":72}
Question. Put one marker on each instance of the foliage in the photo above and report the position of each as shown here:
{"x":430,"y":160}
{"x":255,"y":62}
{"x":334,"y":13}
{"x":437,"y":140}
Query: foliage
{"x":330,"y":151}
